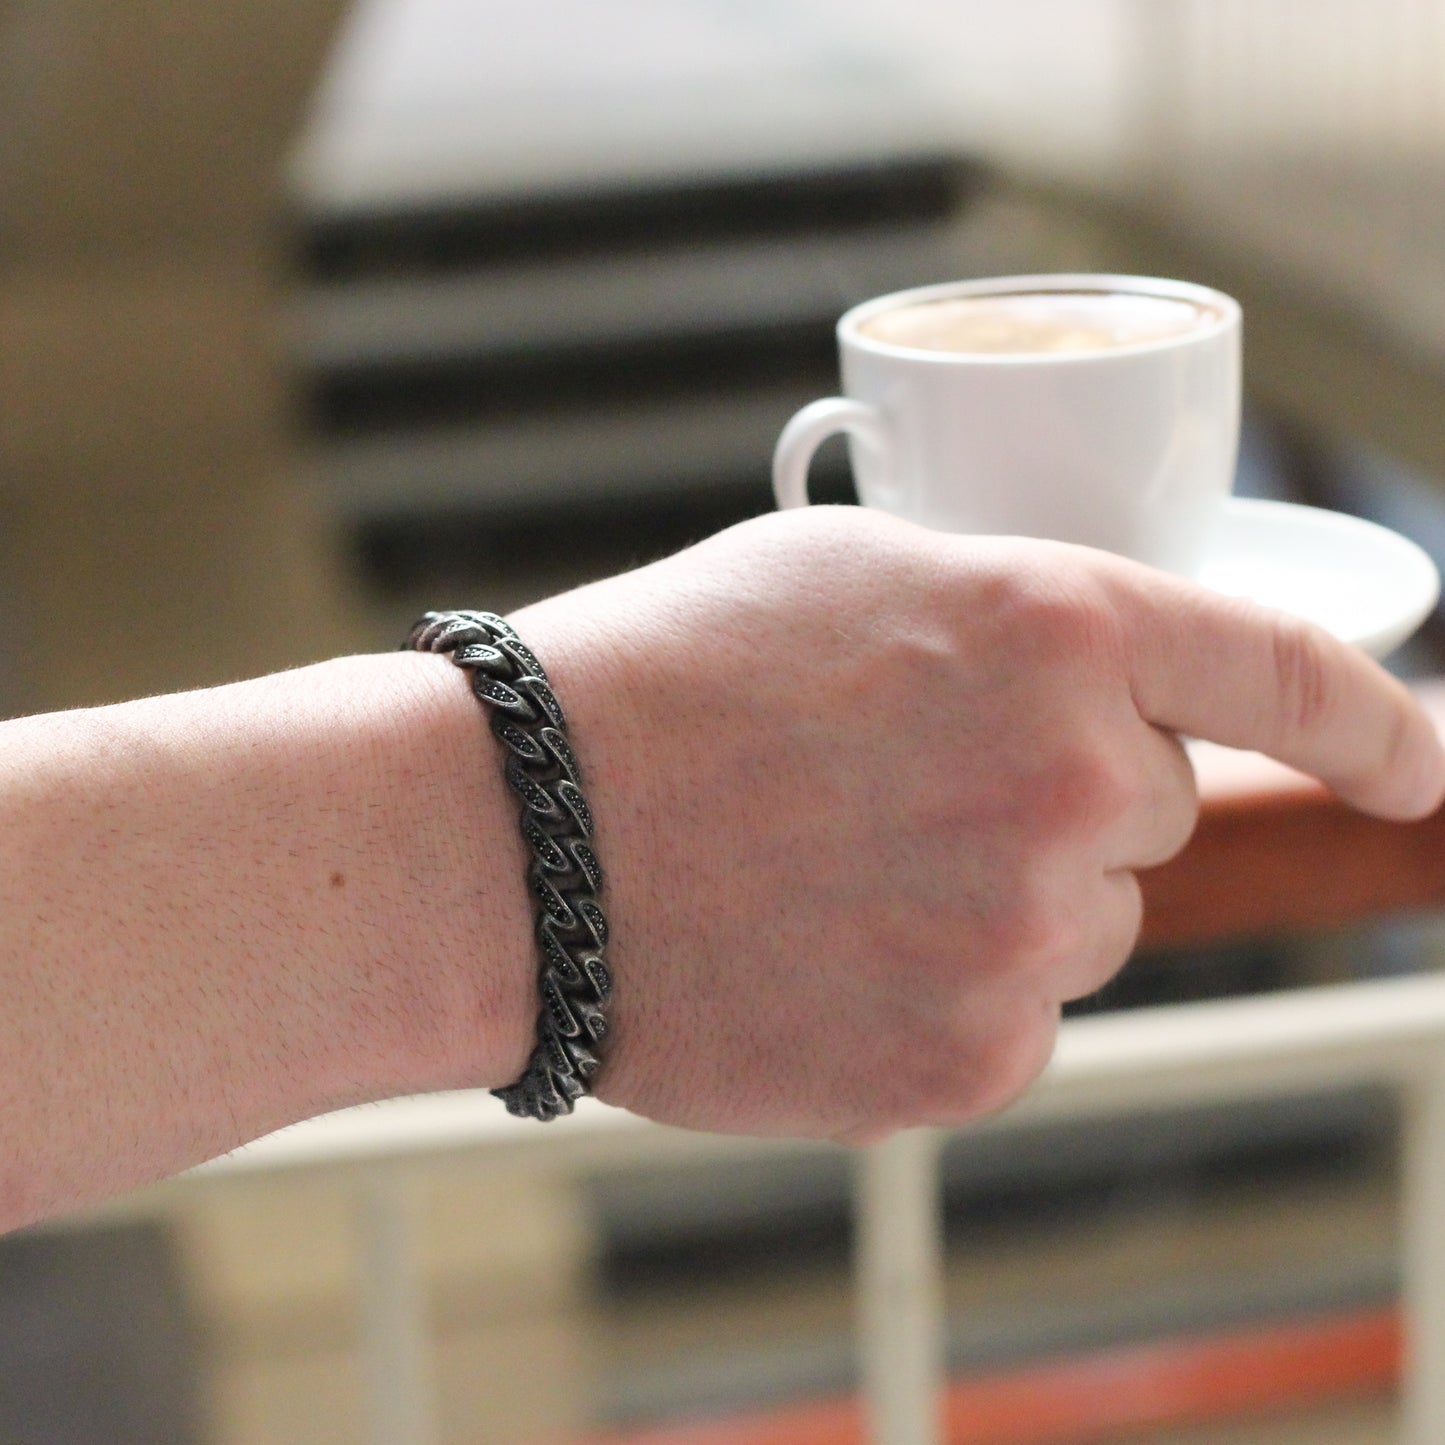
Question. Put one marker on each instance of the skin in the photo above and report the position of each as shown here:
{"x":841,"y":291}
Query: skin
{"x":871,"y":802}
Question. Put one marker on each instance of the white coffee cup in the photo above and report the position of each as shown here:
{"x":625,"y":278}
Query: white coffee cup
{"x":1102,"y":410}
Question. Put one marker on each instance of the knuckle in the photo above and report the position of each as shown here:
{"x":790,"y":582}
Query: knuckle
{"x":958,"y":1068}
{"x":1303,"y":677}
{"x":1031,"y":937}
{"x":1008,"y":1061}
{"x":1007,"y":934}
{"x":1061,"y":615}
{"x":944,"y":1077}
{"x":1080,"y":791}
{"x":1114,"y":942}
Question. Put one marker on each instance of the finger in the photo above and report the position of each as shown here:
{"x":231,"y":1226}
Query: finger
{"x":1008,"y":1049}
{"x":1089,"y":921}
{"x":983,"y":1060}
{"x":1236,"y":673}
{"x":1165,"y":807}
{"x":1116,"y":913}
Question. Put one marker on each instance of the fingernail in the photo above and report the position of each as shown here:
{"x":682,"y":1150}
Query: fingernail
{"x":1430,"y":790}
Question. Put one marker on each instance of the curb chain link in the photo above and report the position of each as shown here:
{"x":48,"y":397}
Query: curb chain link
{"x":564,"y":875}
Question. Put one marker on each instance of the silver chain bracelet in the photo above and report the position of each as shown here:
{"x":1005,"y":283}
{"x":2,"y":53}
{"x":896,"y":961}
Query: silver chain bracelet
{"x":563,"y":875}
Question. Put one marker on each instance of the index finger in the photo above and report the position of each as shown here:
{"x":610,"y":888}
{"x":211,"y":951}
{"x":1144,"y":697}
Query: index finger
{"x":1234,"y":672}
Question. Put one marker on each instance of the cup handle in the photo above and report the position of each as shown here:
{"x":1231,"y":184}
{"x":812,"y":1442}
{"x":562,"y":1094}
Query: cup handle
{"x":807,"y":431}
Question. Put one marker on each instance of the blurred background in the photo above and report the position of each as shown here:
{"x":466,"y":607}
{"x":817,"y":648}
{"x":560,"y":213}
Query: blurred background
{"x":315,"y":314}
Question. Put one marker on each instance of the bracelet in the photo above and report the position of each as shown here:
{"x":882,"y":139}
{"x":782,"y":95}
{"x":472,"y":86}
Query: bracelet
{"x":564,"y":874}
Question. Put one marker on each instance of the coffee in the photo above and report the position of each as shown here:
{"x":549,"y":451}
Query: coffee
{"x":1094,"y":409}
{"x":1037,"y":323}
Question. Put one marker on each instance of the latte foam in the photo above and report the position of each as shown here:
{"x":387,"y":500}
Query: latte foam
{"x":1039,"y":323}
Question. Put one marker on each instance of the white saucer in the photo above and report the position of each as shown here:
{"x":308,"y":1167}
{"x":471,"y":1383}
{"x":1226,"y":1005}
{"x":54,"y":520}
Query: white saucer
{"x":1362,"y":582}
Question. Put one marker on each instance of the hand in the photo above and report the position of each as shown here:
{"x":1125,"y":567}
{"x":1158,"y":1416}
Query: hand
{"x":871,"y":800}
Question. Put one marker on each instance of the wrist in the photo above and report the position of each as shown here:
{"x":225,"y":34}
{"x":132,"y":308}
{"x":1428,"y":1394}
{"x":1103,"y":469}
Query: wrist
{"x":460,"y":923}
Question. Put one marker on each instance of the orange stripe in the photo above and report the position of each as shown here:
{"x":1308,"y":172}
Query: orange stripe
{"x":1094,"y":1397}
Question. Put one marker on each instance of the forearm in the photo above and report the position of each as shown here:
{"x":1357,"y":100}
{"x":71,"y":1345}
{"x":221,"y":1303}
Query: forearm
{"x":228,"y":910}
{"x":870,"y":800}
